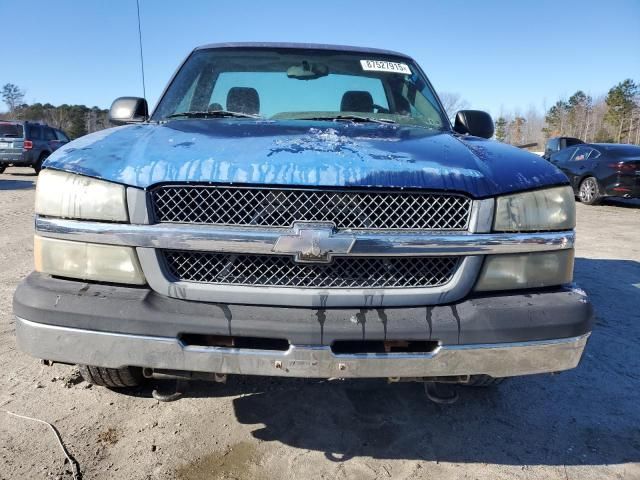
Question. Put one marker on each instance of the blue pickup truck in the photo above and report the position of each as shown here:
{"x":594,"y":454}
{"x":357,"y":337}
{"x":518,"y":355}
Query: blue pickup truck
{"x":303,"y":211}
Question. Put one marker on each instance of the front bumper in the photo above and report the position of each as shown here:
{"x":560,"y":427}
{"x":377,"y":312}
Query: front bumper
{"x":502,"y":334}
{"x":117,"y":350}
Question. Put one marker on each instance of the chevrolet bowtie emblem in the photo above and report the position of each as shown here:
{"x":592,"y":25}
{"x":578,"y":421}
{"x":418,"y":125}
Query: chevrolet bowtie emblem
{"x":313,"y":243}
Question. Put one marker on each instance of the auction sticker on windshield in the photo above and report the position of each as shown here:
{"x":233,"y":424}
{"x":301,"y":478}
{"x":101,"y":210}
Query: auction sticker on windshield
{"x":382,"y":66}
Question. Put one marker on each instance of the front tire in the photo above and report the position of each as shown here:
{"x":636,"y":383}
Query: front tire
{"x":111,"y":377}
{"x":589,"y":193}
{"x":2,"y":168}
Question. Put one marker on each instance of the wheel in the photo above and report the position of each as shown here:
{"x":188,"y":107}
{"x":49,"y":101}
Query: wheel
{"x":111,"y":377}
{"x":589,"y":192}
{"x":483,"y":381}
{"x":2,"y":168}
{"x":38,"y":166}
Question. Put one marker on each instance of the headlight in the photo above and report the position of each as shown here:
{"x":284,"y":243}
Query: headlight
{"x":87,"y":261}
{"x":549,"y":209}
{"x":67,"y":195}
{"x":526,"y":270}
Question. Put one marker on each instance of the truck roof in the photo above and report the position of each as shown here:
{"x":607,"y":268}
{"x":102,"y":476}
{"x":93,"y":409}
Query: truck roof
{"x":301,"y":46}
{"x":568,"y":138}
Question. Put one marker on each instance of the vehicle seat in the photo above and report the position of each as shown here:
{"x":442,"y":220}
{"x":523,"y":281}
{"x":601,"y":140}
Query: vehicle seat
{"x":244,"y":100}
{"x":356,"y":101}
{"x":215,"y":107}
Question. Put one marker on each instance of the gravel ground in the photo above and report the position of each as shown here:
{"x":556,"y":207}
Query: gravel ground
{"x":582,"y":424}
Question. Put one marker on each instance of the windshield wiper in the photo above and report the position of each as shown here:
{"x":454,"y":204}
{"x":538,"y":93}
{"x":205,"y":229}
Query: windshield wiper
{"x":213,"y":114}
{"x":350,"y":118}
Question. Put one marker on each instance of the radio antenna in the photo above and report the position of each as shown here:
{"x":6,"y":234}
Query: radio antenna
{"x":144,"y":90}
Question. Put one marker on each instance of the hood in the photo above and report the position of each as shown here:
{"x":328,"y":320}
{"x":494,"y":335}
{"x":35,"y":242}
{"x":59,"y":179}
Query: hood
{"x":304,"y":153}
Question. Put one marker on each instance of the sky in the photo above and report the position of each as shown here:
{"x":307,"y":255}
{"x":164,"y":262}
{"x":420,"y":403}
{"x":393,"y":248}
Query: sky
{"x":497,"y":55}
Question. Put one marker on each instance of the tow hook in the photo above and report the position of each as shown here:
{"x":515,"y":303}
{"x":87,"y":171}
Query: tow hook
{"x":440,"y":390}
{"x":441,"y":393}
{"x":181,"y":383}
{"x":180,"y":386}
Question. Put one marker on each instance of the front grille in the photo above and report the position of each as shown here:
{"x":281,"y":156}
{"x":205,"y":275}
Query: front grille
{"x":275,"y":207}
{"x":282,"y":271}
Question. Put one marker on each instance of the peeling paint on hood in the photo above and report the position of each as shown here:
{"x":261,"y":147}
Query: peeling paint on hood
{"x":305,"y":153}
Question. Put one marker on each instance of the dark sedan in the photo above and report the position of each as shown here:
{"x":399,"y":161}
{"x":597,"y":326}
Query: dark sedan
{"x":598,"y":170}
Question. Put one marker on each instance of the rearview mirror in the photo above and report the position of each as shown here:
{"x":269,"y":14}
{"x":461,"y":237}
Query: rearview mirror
{"x":128,"y":110}
{"x":307,"y":71}
{"x":474,"y":122}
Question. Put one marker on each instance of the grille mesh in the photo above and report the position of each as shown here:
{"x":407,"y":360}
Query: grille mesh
{"x":282,"y":271}
{"x":273,"y":207}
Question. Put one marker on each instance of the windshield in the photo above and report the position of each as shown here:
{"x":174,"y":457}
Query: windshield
{"x":13,"y":130}
{"x":295,"y":84}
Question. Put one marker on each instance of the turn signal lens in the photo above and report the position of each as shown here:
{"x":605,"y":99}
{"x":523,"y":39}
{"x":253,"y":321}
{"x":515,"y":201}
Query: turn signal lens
{"x":526,"y":270}
{"x":87,"y":261}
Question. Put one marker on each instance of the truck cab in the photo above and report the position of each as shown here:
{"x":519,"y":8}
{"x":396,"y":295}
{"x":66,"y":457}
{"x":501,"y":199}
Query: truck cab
{"x":556,"y":144}
{"x":301,"y":210}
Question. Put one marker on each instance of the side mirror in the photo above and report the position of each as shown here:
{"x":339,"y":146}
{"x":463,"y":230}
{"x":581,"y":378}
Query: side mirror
{"x":474,"y":122}
{"x":128,"y":110}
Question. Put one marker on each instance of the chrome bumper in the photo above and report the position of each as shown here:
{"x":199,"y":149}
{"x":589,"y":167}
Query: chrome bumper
{"x":71,"y":345}
{"x":261,"y":241}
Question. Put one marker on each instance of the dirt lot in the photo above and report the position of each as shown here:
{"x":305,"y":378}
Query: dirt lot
{"x":583,"y":424}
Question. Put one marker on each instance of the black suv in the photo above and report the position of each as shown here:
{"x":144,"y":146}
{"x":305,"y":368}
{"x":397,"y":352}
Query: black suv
{"x":28,"y":144}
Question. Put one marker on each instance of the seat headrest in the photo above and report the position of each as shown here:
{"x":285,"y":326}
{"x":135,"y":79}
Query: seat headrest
{"x":356,"y":101}
{"x":244,"y":100}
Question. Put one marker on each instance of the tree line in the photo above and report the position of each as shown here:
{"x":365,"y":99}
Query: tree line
{"x":610,"y":118}
{"x":75,"y":120}
{"x":614,"y":117}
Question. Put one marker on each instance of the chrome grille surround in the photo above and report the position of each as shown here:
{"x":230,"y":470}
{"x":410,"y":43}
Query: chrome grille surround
{"x":282,"y":271}
{"x":150,"y":239}
{"x":281,"y":207}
